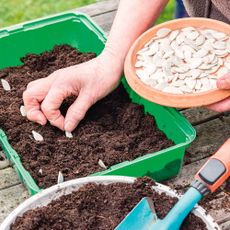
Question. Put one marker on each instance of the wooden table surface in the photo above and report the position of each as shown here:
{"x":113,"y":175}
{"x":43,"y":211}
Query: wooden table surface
{"x":212,"y":130}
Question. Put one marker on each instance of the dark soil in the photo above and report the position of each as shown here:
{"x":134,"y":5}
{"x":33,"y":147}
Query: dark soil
{"x":99,"y":207}
{"x":114,"y":130}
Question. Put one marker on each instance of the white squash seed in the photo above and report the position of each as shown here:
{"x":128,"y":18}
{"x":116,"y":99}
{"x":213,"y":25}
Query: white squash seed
{"x":5,"y":85}
{"x":163,"y":32}
{"x":60,"y":177}
{"x":68,"y":134}
{"x":37,"y":136}
{"x":189,"y":60}
{"x":23,"y":110}
{"x":101,"y":164}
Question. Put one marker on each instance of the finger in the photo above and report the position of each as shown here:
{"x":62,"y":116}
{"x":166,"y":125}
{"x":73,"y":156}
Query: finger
{"x":33,"y":83}
{"x":77,"y":110}
{"x":51,"y":104}
{"x":47,"y":80}
{"x":32,"y":98}
{"x":221,"y":106}
{"x":224,"y":82}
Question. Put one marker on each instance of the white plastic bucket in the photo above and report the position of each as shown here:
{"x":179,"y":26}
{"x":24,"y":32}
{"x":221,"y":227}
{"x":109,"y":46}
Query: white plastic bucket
{"x":46,"y":196}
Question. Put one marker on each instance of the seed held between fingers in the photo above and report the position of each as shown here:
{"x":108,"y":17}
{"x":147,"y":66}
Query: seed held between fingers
{"x":68,"y":134}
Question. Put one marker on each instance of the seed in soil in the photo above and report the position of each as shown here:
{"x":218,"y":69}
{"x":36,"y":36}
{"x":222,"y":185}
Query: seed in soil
{"x":97,"y":206}
{"x":190,"y":51}
{"x":101,"y":163}
{"x":23,"y":110}
{"x":37,"y":136}
{"x":60,"y":177}
{"x":40,"y":171}
{"x":5,"y":85}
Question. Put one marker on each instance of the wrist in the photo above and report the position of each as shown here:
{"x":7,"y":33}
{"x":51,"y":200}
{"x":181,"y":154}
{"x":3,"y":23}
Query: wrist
{"x":113,"y":60}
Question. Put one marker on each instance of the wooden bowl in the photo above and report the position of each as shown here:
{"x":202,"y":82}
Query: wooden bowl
{"x":169,"y":99}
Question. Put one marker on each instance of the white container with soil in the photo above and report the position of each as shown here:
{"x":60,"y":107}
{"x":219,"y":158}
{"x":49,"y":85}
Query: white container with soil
{"x":99,"y":202}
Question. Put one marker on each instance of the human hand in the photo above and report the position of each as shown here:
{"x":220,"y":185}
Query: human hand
{"x":224,"y":105}
{"x":92,"y":80}
{"x":89,"y":81}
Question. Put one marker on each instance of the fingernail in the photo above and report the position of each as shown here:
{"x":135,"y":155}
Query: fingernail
{"x":41,"y":120}
{"x":68,"y":126}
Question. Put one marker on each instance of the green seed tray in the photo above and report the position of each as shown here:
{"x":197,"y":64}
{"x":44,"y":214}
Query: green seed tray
{"x":78,"y":30}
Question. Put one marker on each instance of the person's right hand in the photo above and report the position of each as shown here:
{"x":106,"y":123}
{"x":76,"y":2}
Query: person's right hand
{"x":89,"y":81}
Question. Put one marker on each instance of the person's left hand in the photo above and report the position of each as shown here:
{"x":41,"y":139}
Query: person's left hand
{"x":224,"y":105}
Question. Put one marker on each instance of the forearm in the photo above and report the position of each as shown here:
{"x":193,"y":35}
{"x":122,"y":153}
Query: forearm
{"x":133,"y":18}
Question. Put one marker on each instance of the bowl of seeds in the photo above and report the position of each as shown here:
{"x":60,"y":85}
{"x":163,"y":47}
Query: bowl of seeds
{"x":177,"y":63}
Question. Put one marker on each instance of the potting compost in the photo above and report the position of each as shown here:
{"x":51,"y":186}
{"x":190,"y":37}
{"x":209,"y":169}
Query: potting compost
{"x":114,"y":130}
{"x":99,"y":207}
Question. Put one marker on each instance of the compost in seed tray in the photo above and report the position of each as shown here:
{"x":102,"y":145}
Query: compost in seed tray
{"x":114,"y":130}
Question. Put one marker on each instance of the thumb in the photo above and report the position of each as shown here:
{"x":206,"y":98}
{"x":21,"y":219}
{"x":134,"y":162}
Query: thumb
{"x":78,"y":109}
{"x":33,"y":96}
{"x":224,"y":82}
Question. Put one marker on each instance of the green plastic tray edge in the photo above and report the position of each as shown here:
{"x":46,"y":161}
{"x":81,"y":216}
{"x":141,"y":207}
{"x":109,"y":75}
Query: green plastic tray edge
{"x":14,"y":158}
{"x":44,"y":21}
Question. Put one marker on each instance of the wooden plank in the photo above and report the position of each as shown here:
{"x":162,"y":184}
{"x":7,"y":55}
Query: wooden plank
{"x":220,"y":215}
{"x":10,"y":198}
{"x":210,"y":136}
{"x":200,"y":115}
{"x":4,"y":162}
{"x":8,"y":178}
{"x":186,"y":175}
{"x":99,"y":8}
{"x":105,"y":21}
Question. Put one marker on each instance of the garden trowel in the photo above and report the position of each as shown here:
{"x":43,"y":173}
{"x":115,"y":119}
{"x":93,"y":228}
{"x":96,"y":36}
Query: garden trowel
{"x":211,"y":176}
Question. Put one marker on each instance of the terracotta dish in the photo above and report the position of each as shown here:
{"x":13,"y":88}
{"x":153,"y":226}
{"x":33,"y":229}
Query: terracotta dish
{"x":169,"y":99}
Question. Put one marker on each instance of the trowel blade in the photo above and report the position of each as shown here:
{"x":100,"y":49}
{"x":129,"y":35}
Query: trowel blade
{"x":142,"y":217}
